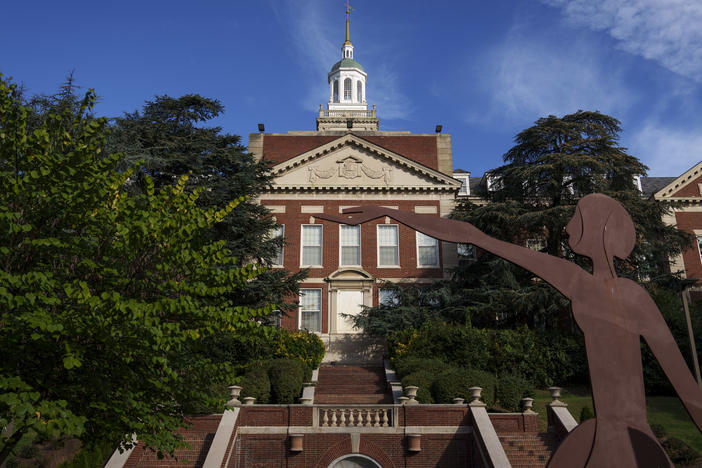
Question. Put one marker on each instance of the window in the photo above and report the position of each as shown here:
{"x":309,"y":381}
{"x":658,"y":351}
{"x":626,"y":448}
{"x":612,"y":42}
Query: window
{"x":464,"y":190}
{"x":359,"y":91}
{"x":388,"y":297}
{"x":466,"y":252}
{"x":347,"y":89}
{"x":699,"y":245}
{"x":311,"y":310}
{"x":336,"y":90}
{"x":350,"y":242}
{"x":311,"y":245}
{"x":427,"y":251}
{"x":278,"y":231}
{"x":388,"y":251}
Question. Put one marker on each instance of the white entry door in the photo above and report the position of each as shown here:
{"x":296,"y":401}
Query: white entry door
{"x":347,"y":302}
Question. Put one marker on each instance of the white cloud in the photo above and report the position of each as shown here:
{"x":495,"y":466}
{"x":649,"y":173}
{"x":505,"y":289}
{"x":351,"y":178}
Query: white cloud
{"x":526,"y":78}
{"x":668,"y":152}
{"x":667,"y":31}
{"x":312,"y":33}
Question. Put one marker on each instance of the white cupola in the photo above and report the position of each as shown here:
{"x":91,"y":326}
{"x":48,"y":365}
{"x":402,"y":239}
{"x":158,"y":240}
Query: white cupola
{"x":347,"y":109}
{"x":347,"y":80}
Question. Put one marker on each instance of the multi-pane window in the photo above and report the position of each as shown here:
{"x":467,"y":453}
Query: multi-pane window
{"x":336,"y":90}
{"x":347,"y":89}
{"x":359,"y":91}
{"x":699,"y":245}
{"x":388,"y":297}
{"x":427,"y":251}
{"x":466,"y":252}
{"x":278,"y":231}
{"x":350,"y":240}
{"x":388,"y":251}
{"x":311,"y":245}
{"x":311,"y":310}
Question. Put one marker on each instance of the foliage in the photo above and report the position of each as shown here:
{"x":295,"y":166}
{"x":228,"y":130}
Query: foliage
{"x":406,"y":365}
{"x":424,"y":379}
{"x":301,"y":345}
{"x":90,"y":457}
{"x":510,"y":390}
{"x":679,"y":452}
{"x":287,"y":376}
{"x":587,"y":413}
{"x":455,"y":382}
{"x":170,"y":135}
{"x":256,"y":383}
{"x":105,"y":298}
{"x":542,"y":358}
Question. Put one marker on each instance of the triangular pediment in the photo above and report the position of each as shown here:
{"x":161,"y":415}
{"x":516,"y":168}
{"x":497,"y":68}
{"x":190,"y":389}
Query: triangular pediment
{"x":350,"y":162}
{"x":686,"y":187}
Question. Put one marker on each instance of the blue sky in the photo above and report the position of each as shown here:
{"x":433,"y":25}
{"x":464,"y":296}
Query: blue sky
{"x":485,"y":70}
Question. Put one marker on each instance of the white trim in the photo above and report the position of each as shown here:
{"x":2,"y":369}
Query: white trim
{"x":353,"y":455}
{"x":360,"y":256}
{"x":218,"y":448}
{"x":397,"y":246}
{"x":416,"y":246}
{"x":321,"y":246}
{"x":299,"y":310}
{"x":282,"y":249}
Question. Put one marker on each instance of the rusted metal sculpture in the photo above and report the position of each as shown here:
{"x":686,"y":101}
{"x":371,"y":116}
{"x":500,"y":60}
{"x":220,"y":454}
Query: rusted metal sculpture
{"x":613,"y":314}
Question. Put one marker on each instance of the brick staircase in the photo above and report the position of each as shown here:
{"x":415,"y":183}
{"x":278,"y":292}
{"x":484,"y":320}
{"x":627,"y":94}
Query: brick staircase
{"x":347,"y":384}
{"x":525,"y":450}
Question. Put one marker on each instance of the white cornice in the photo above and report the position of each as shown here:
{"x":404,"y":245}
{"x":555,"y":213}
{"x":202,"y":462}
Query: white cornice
{"x":676,"y":185}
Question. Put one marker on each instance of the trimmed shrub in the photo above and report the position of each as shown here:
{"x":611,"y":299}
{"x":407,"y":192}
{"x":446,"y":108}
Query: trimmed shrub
{"x":424,"y":380}
{"x":255,"y":383}
{"x":586,"y":413}
{"x":510,"y":390}
{"x":286,"y":376}
{"x":408,"y":365}
{"x":659,"y":430}
{"x":301,"y":345}
{"x":450,"y":384}
{"x":679,"y":452}
{"x":485,"y":380}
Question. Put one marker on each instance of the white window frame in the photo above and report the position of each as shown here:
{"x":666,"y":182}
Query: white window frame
{"x":321,"y":246}
{"x":341,"y":257}
{"x":464,"y":183}
{"x":300,"y":310}
{"x":416,"y":242}
{"x":699,"y":244}
{"x":397,"y":246}
{"x":281,"y":254}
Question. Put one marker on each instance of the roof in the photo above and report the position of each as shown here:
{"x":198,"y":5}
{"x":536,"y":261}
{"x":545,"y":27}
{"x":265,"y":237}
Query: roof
{"x":346,"y":63}
{"x":651,"y":185}
{"x":418,"y":148}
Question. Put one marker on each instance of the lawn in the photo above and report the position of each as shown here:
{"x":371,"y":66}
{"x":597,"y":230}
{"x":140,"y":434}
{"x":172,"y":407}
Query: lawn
{"x":666,"y":411}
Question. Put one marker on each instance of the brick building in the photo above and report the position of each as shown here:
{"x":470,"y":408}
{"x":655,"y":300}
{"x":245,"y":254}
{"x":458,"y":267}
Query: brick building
{"x":347,"y":161}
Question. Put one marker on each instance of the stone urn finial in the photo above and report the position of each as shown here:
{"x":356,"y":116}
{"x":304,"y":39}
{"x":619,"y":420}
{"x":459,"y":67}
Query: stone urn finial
{"x":234,"y":392}
{"x":411,"y":394}
{"x":249,"y":400}
{"x":555,"y":393}
{"x":475,"y":395}
{"x":527,"y":404}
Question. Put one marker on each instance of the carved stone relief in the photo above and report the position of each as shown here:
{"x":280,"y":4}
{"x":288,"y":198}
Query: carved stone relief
{"x":350,"y":168}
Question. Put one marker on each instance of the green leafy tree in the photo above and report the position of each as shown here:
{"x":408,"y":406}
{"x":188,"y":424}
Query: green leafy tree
{"x":106,"y":297}
{"x":171,"y":137}
{"x":531,"y":199}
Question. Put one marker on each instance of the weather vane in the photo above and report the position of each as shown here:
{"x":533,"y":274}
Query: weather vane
{"x":348,"y":7}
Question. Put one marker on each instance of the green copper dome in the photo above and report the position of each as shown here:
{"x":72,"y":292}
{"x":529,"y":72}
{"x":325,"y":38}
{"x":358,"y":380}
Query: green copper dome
{"x":346,"y":63}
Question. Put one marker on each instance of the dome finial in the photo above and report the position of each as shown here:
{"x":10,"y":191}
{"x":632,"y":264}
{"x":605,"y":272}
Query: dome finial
{"x":348,"y":12}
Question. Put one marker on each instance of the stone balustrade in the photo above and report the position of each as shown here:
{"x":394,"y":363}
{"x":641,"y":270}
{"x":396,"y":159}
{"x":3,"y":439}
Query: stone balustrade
{"x":347,"y":113}
{"x":355,"y":416}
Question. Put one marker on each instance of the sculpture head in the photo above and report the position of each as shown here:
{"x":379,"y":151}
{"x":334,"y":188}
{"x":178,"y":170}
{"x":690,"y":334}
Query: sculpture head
{"x":599,"y":224}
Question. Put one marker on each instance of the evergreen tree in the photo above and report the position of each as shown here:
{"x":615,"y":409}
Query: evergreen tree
{"x":170,"y":137}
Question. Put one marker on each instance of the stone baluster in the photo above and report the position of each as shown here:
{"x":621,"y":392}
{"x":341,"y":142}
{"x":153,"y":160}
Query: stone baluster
{"x":376,"y":418}
{"x":325,"y":417}
{"x":386,"y":417}
{"x":333,"y":418}
{"x":342,"y":417}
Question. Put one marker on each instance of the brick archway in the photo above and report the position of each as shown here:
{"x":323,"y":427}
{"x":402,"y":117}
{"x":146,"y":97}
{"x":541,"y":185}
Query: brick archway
{"x":342,"y":449}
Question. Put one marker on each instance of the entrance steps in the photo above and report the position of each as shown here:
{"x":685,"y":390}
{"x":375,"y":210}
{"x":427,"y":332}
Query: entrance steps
{"x":528,"y":450}
{"x":352,"y":348}
{"x":351,"y":384}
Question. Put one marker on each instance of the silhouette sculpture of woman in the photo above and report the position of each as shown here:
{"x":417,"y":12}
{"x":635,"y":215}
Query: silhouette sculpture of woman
{"x":613,"y":314}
